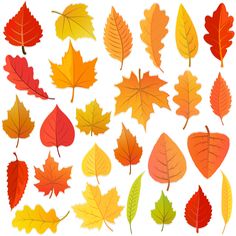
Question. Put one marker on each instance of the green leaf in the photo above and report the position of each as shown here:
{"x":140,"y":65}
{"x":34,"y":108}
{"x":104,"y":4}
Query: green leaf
{"x":133,"y":199}
{"x":163,"y":212}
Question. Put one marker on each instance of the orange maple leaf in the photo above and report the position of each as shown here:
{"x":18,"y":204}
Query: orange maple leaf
{"x":51,"y":179}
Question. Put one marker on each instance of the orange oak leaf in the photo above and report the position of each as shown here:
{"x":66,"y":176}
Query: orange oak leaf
{"x":140,"y":94}
{"x":51,"y":179}
{"x":220,"y":98}
{"x":128,"y":151}
{"x":166,"y":163}
{"x":208,"y":151}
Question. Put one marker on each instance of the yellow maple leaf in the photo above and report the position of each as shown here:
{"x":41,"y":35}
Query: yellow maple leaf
{"x":92,"y":120}
{"x":73,"y":72}
{"x":37,"y":219}
{"x":99,"y":208}
{"x":18,"y":124}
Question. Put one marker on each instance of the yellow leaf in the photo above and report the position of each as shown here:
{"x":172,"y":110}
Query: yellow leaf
{"x":37,"y":219}
{"x":74,"y":22}
{"x":186,"y":35}
{"x":117,"y":37}
{"x":226,"y":203}
{"x":99,"y":208}
{"x":18,"y":124}
{"x":73,"y":72}
{"x":91,"y":120}
{"x":96,"y":162}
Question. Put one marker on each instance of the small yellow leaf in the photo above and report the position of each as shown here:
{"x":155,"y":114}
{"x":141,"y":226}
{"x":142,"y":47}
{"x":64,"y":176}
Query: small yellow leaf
{"x":18,"y":124}
{"x":96,"y":162}
{"x":91,"y":120}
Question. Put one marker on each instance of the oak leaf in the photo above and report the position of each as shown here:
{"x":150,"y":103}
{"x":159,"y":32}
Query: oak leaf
{"x":73,"y":72}
{"x":51,"y":179}
{"x":92,"y":120}
{"x":140,"y":94}
{"x":98,"y":208}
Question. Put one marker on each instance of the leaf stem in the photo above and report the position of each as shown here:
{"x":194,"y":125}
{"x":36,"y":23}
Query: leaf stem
{"x":97,"y":179}
{"x":65,"y":216}
{"x":162,"y":228}
{"x":221,"y":120}
{"x":108,"y":226}
{"x":222,"y":63}
{"x":23,"y":50}
{"x":185,"y":125}
{"x":51,"y":194}
{"x":168,"y":185}
{"x":121,"y":66}
{"x":130,"y":228}
{"x":56,"y":12}
{"x":15,"y":155}
{"x":224,"y":229}
{"x":130,"y":169}
{"x":58,"y":151}
{"x":208,"y":131}
{"x":189,"y":61}
{"x":73,"y":94}
{"x":17,"y":143}
{"x":139,"y":74}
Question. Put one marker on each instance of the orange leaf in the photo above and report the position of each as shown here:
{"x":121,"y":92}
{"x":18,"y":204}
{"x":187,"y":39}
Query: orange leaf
{"x":187,"y":99}
{"x":166,"y":163}
{"x":220,"y":98}
{"x":208,"y":150}
{"x":128,"y":151}
{"x":51,"y":179}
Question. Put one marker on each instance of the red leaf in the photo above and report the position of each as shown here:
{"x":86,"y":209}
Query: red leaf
{"x":198,"y":210}
{"x":219,"y":35}
{"x":57,"y":130}
{"x":17,"y":178}
{"x":23,"y":29}
{"x":22,"y":76}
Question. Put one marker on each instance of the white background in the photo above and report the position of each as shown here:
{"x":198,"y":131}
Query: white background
{"x":204,"y":66}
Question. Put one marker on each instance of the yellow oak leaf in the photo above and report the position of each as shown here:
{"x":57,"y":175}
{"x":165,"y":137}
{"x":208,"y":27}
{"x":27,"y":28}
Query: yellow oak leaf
{"x":99,"y":208}
{"x":73,"y":72}
{"x":74,"y":22}
{"x":18,"y":124}
{"x":92,"y":120}
{"x":37,"y":219}
{"x":96,"y":162}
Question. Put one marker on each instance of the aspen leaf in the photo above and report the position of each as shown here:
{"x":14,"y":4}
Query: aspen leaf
{"x":187,"y":97}
{"x":18,"y":124}
{"x":98,"y":208}
{"x":163,"y":212}
{"x":140,"y":94}
{"x":153,"y":31}
{"x":92,"y":120}
{"x":117,"y":37}
{"x":73,"y":72}
{"x":166,"y":163}
{"x":186,"y":35}
{"x":96,"y":163}
{"x":226,"y":202}
{"x":37,"y":219}
{"x":51,"y":179}
{"x":128,"y":152}
{"x":220,"y":98}
{"x":74,"y":22}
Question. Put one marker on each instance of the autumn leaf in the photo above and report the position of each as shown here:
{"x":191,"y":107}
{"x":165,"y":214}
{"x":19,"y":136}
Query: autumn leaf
{"x":186,"y":35}
{"x":37,"y":219}
{"x":51,"y":179}
{"x":18,"y":123}
{"x":187,"y":97}
{"x":140,"y":94}
{"x":166,"y":163}
{"x":198,"y":210}
{"x":92,"y":120}
{"x":153,"y":31}
{"x":220,"y":98}
{"x":73,"y":72}
{"x":98,"y":208}
{"x":219,"y":35}
{"x":128,"y":152}
{"x":22,"y":76}
{"x":96,"y":163}
{"x":208,"y":151}
{"x":74,"y":22}
{"x":17,"y":178}
{"x":117,"y":37}
{"x":57,"y":130}
{"x":23,"y":29}
{"x":163,"y":212}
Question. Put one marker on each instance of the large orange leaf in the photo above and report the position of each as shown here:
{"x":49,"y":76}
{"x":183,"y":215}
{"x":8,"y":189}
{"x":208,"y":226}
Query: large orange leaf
{"x":128,"y":151}
{"x":220,"y":98}
{"x":219,"y":35}
{"x":166,"y":163}
{"x":140,"y":94}
{"x":208,"y":150}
